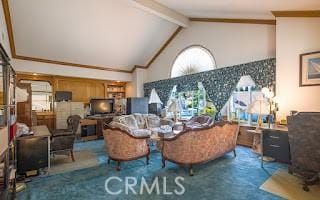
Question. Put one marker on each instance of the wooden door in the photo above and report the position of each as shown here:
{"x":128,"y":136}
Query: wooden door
{"x":24,"y":109}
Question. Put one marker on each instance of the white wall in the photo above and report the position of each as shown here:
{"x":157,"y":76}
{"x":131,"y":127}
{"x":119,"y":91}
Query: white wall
{"x":135,"y":87}
{"x":294,"y":37}
{"x":230,"y":44}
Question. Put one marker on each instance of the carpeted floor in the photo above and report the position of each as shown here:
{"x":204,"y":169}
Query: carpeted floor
{"x":228,"y":177}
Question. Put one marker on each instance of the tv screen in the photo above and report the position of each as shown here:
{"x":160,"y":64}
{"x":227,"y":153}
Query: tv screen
{"x":101,"y":106}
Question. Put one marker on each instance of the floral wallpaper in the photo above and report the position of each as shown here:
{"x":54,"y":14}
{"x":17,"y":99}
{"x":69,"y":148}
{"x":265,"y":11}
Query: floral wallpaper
{"x":219,"y":83}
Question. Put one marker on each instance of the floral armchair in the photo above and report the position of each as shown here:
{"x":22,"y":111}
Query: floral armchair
{"x":123,"y":146}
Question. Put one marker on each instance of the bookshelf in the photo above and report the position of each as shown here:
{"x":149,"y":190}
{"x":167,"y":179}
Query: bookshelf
{"x":116,"y":90}
{"x":7,"y":124}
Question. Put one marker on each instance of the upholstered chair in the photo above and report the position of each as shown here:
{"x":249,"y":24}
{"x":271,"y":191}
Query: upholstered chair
{"x":304,"y":140}
{"x":121,"y":146}
{"x":62,"y":140}
{"x":199,"y":145}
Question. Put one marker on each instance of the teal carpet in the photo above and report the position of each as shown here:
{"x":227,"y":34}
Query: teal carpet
{"x":227,"y":178}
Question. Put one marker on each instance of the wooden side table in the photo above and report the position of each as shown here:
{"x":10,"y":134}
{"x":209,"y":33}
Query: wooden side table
{"x":88,"y":122}
{"x":256,"y":145}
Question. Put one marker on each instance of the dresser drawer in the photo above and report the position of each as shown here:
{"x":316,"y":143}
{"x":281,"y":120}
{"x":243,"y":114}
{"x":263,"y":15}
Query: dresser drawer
{"x":276,"y":145}
{"x":274,"y":138}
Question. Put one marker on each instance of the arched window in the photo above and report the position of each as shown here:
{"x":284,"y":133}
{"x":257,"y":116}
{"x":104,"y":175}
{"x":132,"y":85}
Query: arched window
{"x":192,"y":60}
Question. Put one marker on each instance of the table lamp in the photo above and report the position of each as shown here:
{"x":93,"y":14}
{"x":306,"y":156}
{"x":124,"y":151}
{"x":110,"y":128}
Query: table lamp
{"x":260,"y":107}
{"x":245,"y":81}
{"x":175,"y":108}
{"x":272,"y":100}
{"x":154,"y":103}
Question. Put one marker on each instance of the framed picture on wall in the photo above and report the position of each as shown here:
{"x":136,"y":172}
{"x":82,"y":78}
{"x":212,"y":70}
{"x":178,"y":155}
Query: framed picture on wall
{"x":310,"y":69}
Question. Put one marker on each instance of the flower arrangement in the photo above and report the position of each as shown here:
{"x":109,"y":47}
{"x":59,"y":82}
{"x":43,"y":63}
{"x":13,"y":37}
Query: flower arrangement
{"x":210,"y":109}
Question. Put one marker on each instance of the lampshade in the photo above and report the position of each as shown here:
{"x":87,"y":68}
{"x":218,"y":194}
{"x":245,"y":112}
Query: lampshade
{"x":174,"y":106}
{"x":246,"y":81}
{"x":154,"y":98}
{"x":265,"y":90}
{"x":259,"y":106}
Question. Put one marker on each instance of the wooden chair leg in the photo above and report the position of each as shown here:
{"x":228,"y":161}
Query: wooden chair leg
{"x":163,"y":163}
{"x":234,"y":153}
{"x":72,"y":156}
{"x":190,"y":170}
{"x":118,"y":166}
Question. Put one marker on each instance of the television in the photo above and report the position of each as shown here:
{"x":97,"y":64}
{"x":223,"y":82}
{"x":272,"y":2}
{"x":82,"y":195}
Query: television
{"x":101,"y":106}
{"x":63,"y":96}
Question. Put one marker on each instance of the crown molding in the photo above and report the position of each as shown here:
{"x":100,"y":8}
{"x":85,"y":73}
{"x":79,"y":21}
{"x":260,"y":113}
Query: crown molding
{"x":136,"y":67}
{"x":298,"y":13}
{"x":7,"y":16}
{"x":234,"y":20}
{"x":69,"y":64}
{"x":164,"y":46}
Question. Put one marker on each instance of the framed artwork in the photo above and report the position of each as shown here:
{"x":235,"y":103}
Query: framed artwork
{"x":310,"y":69}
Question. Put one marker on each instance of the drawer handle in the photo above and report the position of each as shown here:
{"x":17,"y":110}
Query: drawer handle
{"x":274,"y":137}
{"x":272,"y":145}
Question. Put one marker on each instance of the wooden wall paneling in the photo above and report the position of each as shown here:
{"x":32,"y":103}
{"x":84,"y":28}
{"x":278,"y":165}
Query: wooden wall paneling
{"x":82,"y":89}
{"x":46,"y":118}
{"x":24,"y":109}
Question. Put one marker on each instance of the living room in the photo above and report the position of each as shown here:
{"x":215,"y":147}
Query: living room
{"x":159,"y":99}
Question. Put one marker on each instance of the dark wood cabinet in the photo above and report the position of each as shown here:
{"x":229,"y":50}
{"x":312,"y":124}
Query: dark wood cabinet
{"x":101,"y":123}
{"x":276,"y":144}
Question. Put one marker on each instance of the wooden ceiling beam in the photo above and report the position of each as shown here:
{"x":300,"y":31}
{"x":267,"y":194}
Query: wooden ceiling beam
{"x":162,"y":11}
{"x":164,"y":46}
{"x":230,"y":20}
{"x":298,"y":13}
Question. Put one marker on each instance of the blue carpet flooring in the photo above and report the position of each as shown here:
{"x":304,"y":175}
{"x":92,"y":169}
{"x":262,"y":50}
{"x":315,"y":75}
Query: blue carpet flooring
{"x":227,"y":178}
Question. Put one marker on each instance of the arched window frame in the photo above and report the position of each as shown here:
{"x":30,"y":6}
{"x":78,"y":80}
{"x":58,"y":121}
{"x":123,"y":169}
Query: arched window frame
{"x":190,"y":47}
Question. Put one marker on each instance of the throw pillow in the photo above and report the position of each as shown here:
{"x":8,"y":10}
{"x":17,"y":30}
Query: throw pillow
{"x":129,"y":121}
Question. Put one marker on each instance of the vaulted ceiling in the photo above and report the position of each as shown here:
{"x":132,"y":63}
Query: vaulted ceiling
{"x":118,"y":34}
{"x":106,"y":33}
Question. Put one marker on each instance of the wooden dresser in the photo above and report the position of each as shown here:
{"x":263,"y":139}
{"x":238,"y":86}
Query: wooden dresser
{"x":47,"y":119}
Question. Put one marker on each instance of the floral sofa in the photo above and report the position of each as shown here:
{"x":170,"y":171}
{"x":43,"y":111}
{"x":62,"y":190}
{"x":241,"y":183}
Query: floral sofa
{"x":200,"y":144}
{"x":141,"y":124}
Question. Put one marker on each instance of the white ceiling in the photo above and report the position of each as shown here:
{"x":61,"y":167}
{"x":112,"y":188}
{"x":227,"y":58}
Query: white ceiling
{"x":110,"y":33}
{"x":237,"y":8}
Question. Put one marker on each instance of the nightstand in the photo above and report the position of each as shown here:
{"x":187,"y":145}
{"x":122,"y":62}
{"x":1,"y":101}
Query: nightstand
{"x":275,"y":144}
{"x":271,"y":143}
